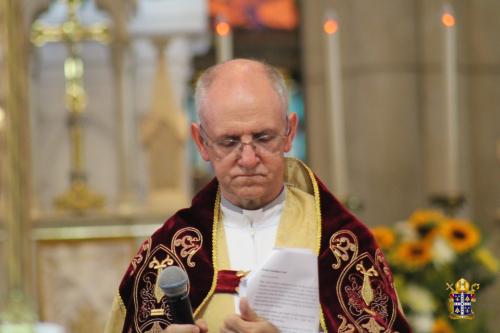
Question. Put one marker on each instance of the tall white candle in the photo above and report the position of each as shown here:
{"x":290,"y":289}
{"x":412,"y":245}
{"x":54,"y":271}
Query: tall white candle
{"x":451,"y":103}
{"x":223,"y":40}
{"x":335,"y":105}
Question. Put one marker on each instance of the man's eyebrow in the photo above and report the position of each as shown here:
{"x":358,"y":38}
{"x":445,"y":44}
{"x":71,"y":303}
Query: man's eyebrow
{"x":239,"y":135}
{"x":263,"y":132}
{"x":227,"y":136}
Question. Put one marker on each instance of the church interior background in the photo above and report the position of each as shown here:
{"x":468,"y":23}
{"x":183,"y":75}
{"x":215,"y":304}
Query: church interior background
{"x":96,"y":100}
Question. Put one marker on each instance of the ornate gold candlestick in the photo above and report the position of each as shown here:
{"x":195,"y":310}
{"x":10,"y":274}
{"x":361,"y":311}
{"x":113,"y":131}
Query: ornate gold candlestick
{"x":79,"y":197}
{"x":450,"y":204}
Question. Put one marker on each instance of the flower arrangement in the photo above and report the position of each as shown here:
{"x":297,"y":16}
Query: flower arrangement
{"x":428,"y":251}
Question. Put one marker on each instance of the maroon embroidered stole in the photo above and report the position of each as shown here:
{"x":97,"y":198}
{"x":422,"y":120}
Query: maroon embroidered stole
{"x":356,"y":287}
{"x":184,"y":240}
{"x":350,"y":259}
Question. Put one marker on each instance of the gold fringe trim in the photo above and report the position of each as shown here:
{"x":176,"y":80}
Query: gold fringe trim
{"x":121,"y":304}
{"x":318,"y":237}
{"x":214,"y":253}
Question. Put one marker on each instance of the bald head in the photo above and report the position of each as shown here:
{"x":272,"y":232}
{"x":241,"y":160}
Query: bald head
{"x":239,"y":74}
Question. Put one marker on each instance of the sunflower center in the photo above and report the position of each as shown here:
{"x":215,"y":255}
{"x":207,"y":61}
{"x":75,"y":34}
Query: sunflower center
{"x":424,"y":229}
{"x":417,"y":251}
{"x":459,"y":234}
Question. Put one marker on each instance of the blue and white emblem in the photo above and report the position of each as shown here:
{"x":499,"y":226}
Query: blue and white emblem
{"x":461,"y":298}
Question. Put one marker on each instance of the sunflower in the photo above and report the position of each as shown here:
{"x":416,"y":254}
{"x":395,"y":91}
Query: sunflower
{"x":384,"y":236}
{"x":414,"y":254}
{"x":425,"y":222}
{"x":441,"y":326}
{"x":461,"y":234}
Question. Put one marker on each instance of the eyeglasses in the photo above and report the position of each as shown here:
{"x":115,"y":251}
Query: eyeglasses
{"x":262,"y":143}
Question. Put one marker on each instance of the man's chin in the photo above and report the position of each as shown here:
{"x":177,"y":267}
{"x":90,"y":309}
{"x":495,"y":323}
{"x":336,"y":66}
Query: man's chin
{"x":249,"y":198}
{"x":250,"y":194}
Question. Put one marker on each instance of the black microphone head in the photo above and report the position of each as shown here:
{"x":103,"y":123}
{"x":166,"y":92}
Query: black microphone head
{"x":173,"y":281}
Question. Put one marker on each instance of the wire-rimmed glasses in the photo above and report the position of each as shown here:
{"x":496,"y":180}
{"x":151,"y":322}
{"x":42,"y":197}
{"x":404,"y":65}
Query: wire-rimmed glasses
{"x":266,"y":142}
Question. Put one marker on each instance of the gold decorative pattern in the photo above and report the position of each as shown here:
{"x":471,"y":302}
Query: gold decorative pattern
{"x":157,"y":312}
{"x":372,"y":326}
{"x":146,"y":247}
{"x":366,"y":289}
{"x":189,"y":244}
{"x":362,"y":292}
{"x":144,"y":296}
{"x":344,"y":326}
{"x":359,"y":304}
{"x":159,"y":266}
{"x":155,"y":329}
{"x":152,"y":302}
{"x":214,"y":253}
{"x":385,"y":266}
{"x":153,"y":306}
{"x":341,"y":243}
{"x":317,"y":204}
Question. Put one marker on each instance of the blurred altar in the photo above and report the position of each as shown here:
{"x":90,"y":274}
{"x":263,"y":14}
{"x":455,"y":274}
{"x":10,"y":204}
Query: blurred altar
{"x":396,"y":114}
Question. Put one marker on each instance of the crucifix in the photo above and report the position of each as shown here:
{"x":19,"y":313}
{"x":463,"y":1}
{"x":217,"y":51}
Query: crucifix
{"x":79,"y":197}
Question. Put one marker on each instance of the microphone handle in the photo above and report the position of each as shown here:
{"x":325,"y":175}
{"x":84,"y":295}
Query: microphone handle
{"x":181,"y":309}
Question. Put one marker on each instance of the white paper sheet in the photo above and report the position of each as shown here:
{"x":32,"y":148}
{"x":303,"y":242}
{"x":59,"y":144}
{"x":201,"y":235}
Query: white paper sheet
{"x":285,"y":290}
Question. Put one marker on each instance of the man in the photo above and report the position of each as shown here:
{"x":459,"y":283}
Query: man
{"x":258,"y":200}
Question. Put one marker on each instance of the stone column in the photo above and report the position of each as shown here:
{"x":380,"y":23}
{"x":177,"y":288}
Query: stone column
{"x":481,"y":70}
{"x":17,"y":166}
{"x":314,"y":79}
{"x":381,"y":103}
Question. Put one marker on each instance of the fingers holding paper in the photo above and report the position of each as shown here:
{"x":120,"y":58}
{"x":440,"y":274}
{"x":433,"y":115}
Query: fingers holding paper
{"x":247,"y":321}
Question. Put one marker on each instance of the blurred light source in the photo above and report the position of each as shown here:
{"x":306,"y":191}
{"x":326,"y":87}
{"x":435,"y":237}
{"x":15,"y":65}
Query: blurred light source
{"x":448,"y":19}
{"x":222,"y":28}
{"x":330,"y":26}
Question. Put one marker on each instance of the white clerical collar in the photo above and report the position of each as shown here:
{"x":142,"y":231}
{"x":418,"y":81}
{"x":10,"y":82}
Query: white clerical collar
{"x":237,"y":216}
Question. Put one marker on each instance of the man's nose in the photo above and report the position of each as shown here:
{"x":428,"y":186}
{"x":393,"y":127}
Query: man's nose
{"x":248,"y":158}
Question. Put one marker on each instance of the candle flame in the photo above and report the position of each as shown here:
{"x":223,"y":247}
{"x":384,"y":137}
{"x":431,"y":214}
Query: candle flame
{"x":448,"y":20}
{"x":222,"y":28}
{"x":330,"y":26}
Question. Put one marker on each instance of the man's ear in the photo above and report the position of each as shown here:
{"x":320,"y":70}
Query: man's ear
{"x":293,"y":122}
{"x":198,"y":139}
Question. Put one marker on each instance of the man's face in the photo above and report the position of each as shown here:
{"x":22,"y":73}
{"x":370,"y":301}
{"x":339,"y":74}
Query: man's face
{"x":244,"y":108}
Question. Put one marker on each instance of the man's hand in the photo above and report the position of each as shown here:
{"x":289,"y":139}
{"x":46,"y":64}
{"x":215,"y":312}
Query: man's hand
{"x":247,"y":322}
{"x":199,"y":327}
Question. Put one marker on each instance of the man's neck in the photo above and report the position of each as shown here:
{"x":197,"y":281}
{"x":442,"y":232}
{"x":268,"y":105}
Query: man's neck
{"x":239,"y":208}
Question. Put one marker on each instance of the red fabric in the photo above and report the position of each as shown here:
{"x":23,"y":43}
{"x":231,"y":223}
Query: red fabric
{"x":186,"y":240}
{"x":228,"y":281}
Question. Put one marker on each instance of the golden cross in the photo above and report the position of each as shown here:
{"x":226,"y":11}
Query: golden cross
{"x":71,"y":31}
{"x":79,"y":197}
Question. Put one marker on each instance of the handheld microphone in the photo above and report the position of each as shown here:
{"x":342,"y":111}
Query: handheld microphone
{"x":174,"y":283}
